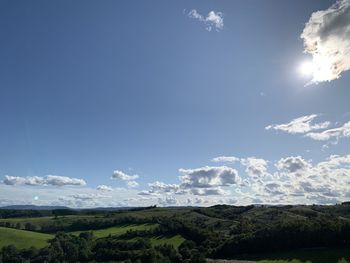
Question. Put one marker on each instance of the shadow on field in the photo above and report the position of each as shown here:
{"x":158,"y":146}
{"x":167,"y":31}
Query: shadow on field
{"x":321,"y":255}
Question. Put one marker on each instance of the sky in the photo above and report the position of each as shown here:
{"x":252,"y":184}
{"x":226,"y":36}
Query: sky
{"x":137,"y":103}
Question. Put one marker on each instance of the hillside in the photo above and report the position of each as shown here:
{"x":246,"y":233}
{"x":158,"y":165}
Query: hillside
{"x":195,"y":233}
{"x":23,"y":238}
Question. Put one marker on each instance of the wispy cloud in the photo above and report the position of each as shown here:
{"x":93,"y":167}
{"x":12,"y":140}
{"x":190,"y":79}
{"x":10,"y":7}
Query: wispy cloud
{"x":335,"y":133}
{"x":225,"y":159}
{"x":316,"y":131}
{"x":302,"y":124}
{"x":326,"y":37}
{"x":214,"y":20}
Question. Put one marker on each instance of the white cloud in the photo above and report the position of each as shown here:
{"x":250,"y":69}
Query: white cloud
{"x":197,"y":201}
{"x":160,"y":187}
{"x":104,"y":188}
{"x":62,"y":180}
{"x":225,"y":159}
{"x":202,"y":181}
{"x":214,"y":20}
{"x":302,"y":124}
{"x":326,"y":37}
{"x":255,"y":167}
{"x":315,"y":131}
{"x":335,"y":133}
{"x":123,"y":176}
{"x":289,"y":180}
{"x":145,"y":192}
{"x":208,"y":176}
{"x":167,"y":201}
{"x":293,"y":164}
{"x":208,"y":191}
{"x":53,"y":180}
{"x":75,"y":197}
{"x":132,"y":184}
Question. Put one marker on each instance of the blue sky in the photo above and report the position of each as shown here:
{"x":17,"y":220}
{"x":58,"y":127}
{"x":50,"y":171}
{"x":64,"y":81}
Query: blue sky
{"x":144,"y":88}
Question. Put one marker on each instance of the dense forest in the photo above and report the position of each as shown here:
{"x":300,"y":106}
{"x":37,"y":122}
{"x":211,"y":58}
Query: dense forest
{"x":221,"y":232}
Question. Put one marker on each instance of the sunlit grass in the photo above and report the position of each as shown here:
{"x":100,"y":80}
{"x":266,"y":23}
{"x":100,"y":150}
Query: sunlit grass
{"x":23,"y":238}
{"x":118,"y":230}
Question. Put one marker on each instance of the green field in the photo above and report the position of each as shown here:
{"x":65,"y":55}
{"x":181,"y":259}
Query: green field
{"x":22,"y":238}
{"x":26,"y":239}
{"x":322,"y":255}
{"x":118,"y":230}
{"x":176,"y":241}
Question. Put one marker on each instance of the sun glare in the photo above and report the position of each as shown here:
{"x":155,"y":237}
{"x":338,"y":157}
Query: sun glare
{"x":320,"y":69}
{"x":307,"y":68}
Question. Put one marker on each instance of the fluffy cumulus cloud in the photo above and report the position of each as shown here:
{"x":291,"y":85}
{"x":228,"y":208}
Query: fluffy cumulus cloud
{"x":300,"y":181}
{"x":326,"y":37}
{"x":203,"y":181}
{"x":167,"y":201}
{"x":254,"y":167}
{"x":160,"y":187}
{"x":294,"y":179}
{"x":52,"y":180}
{"x":104,"y":188}
{"x":209,"y":176}
{"x":293,"y":164}
{"x":289,"y":180}
{"x":214,"y":20}
{"x":130,"y":180}
{"x":123,"y":176}
{"x":302,"y":124}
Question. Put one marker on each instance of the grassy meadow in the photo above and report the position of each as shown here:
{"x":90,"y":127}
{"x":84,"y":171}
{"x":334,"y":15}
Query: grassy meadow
{"x":118,"y":230}
{"x":23,"y":238}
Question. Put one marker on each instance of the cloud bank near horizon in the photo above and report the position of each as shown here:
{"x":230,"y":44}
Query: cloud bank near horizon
{"x":49,"y":180}
{"x":291,"y":179}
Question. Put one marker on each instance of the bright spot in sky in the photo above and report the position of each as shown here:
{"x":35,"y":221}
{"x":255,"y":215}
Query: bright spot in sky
{"x":307,"y":68}
{"x":36,"y":198}
{"x":320,"y":69}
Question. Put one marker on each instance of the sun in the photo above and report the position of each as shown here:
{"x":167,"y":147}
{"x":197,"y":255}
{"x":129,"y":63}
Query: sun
{"x":320,"y":68}
{"x":307,"y":68}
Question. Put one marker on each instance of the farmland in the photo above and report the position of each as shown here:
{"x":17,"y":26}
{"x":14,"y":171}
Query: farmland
{"x":265,"y":234}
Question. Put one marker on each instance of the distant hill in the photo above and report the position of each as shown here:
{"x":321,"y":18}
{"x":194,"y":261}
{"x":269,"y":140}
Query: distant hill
{"x":33,"y":207}
{"x":36,"y":207}
{"x":40,"y":208}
